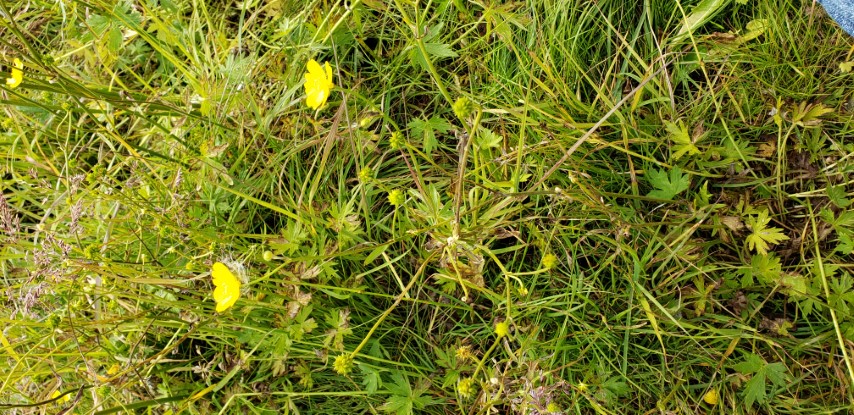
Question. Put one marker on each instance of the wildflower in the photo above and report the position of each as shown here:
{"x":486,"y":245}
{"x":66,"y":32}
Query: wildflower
{"x":396,"y":198}
{"x":17,"y":74}
{"x":268,"y":256}
{"x":317,"y":84}
{"x":343,"y":364}
{"x":463,"y":108}
{"x":549,"y":261}
{"x":64,"y":399}
{"x":552,"y":408}
{"x":396,"y":140}
{"x":464,"y":353}
{"x":502,"y":329}
{"x":711,"y":397}
{"x":466,"y":387}
{"x":227,"y":289}
{"x":365,"y":174}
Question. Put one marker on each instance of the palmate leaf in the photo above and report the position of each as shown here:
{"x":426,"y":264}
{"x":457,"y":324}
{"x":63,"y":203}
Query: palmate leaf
{"x":755,"y":390}
{"x":682,"y":143}
{"x":404,"y":399}
{"x":427,"y":129}
{"x":667,"y":187}
{"x":762,"y":235}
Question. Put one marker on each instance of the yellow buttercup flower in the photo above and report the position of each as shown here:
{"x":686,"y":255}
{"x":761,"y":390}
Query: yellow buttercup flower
{"x":502,"y":329}
{"x":317,"y":84}
{"x":711,"y":397}
{"x":227,"y":289}
{"x":17,"y":74}
{"x":56,"y":394}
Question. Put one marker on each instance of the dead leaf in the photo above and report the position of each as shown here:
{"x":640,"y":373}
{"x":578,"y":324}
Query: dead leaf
{"x":732,"y":222}
{"x":767,"y":149}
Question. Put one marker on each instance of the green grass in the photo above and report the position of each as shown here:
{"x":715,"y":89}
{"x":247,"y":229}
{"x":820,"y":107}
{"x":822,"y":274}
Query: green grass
{"x":653,"y":199}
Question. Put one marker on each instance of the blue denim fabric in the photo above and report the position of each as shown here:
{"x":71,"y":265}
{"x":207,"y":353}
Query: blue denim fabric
{"x":842,"y":11}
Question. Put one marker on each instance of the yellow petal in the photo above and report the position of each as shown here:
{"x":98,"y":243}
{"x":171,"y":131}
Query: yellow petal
{"x":314,"y":69}
{"x":227,"y":289}
{"x":315,"y":99}
{"x":711,"y":397}
{"x":17,"y":74}
{"x":318,"y":83}
{"x":56,"y":394}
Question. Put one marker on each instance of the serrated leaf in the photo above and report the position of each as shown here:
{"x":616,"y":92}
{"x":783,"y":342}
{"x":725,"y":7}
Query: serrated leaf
{"x":668,"y":186}
{"x":682,"y":143}
{"x":764,"y":267}
{"x":427,"y":129}
{"x":114,"y":39}
{"x":752,"y":363}
{"x":404,"y":398}
{"x":763,"y":235}
{"x":372,"y":380}
{"x":837,"y":196}
{"x":396,"y":404}
{"x":754,"y":390}
{"x":776,"y":373}
{"x":487,"y":139}
{"x":399,"y":384}
{"x":846,"y":244}
{"x":809,"y":114}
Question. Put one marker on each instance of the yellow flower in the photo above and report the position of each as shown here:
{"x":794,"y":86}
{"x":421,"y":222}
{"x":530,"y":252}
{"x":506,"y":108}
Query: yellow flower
{"x":466,"y":387}
{"x":502,"y":329}
{"x":711,"y":397}
{"x":396,"y":198}
{"x":549,"y":261}
{"x":17,"y":74}
{"x":317,"y":84}
{"x":343,"y":364}
{"x":227,"y":289}
{"x":464,"y":353}
{"x":64,"y":399}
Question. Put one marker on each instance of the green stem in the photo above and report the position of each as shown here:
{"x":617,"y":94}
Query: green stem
{"x":397,"y":301}
{"x":826,"y":286}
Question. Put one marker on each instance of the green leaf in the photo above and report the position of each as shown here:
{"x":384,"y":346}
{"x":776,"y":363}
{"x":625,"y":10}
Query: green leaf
{"x":752,"y":363}
{"x":841,"y":297}
{"x":762,"y":235}
{"x":440,"y":50}
{"x":667,"y":187}
{"x":837,"y":196}
{"x":427,"y":129}
{"x":754,"y":390}
{"x":765,"y":267}
{"x":396,"y":404}
{"x":846,"y":244}
{"x":114,"y":39}
{"x":682,"y":143}
{"x":700,"y":14}
{"x":372,"y":380}
{"x":404,"y":398}
{"x":485,"y":138}
{"x":776,"y":373}
{"x":807,"y":115}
